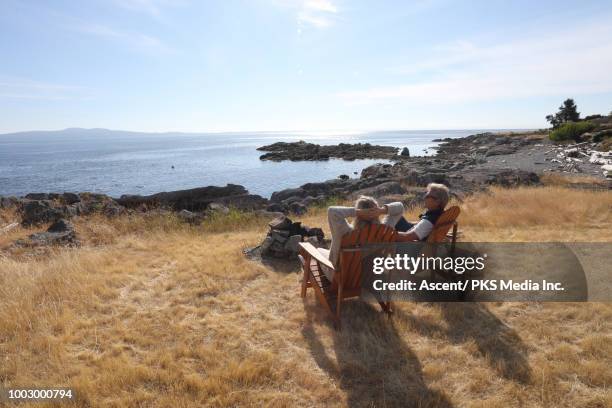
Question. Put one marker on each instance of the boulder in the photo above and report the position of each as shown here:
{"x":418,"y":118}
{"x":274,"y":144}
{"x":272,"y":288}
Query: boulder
{"x":190,"y":217}
{"x":282,"y":195}
{"x":275,"y":207}
{"x":297,"y":208}
{"x":61,"y":232}
{"x":292,"y":244}
{"x":39,"y":212}
{"x":292,"y":199}
{"x":500,"y":150}
{"x":37,"y":196}
{"x":8,"y":202}
{"x":218,"y":208}
{"x":405,"y":152}
{"x":197,"y":199}
{"x":243,"y":202}
{"x":390,"y":187}
{"x":280,"y":223}
{"x":61,"y":225}
{"x":70,"y":198}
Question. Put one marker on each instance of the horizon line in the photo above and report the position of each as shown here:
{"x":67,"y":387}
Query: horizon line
{"x":296,"y":131}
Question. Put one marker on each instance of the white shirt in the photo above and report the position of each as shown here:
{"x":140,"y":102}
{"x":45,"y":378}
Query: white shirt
{"x":422,"y":229}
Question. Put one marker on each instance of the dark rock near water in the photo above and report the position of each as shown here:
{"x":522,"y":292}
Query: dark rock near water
{"x":70,"y":198}
{"x":198,"y":199}
{"x":37,"y":196}
{"x":39,"y":212}
{"x":8,"y":202}
{"x":301,"y":151}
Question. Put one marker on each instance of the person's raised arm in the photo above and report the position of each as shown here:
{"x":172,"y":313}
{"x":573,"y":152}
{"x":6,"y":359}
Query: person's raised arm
{"x":338,"y":225}
{"x":393,"y":213}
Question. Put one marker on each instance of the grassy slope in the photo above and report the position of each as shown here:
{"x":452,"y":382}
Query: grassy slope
{"x":149,"y":312}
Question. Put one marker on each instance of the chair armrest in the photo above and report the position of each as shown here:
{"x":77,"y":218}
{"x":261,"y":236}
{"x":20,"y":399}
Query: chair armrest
{"x":314,"y":253}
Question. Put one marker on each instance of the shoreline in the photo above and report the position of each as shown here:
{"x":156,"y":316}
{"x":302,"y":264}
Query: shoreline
{"x":467,"y":164}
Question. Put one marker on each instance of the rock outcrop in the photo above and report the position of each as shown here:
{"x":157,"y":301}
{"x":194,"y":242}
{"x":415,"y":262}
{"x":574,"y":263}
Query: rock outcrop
{"x":302,"y":151}
{"x":284,"y":237}
{"x":61,"y":232}
{"x":198,"y":199}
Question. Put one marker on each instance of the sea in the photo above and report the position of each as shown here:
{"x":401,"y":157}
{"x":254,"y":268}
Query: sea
{"x":120,"y":162}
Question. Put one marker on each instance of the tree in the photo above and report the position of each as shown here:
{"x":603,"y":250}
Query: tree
{"x":567,"y":113}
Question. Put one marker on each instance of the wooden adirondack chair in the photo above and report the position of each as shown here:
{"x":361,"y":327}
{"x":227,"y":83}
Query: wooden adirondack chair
{"x":440,"y":233}
{"x":347,"y":278}
{"x":447,"y":220}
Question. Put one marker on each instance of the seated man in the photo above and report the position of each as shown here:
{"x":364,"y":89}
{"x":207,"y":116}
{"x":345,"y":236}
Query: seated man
{"x":436,"y":199}
{"x":366,"y":211}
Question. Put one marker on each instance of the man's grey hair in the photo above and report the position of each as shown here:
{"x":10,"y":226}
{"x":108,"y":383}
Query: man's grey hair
{"x":439,"y":192}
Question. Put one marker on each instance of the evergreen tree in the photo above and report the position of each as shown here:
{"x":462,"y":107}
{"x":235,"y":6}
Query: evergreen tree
{"x":567,"y":113}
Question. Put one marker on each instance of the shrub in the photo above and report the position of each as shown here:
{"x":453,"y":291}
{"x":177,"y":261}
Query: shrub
{"x":571,"y":131}
{"x":593,"y":117}
{"x":600,"y":136}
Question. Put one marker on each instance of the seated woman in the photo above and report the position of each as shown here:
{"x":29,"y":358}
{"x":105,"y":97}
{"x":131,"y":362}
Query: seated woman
{"x":436,"y":199}
{"x":366,"y":211}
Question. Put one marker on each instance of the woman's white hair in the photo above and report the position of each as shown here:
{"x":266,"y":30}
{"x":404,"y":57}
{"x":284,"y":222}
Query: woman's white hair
{"x":364,"y":203}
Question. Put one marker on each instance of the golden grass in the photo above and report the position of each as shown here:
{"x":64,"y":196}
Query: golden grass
{"x":152,"y":312}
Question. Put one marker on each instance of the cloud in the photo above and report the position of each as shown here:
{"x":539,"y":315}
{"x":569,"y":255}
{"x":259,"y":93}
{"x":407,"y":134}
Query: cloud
{"x":565,"y":62}
{"x":317,"y":13}
{"x":20,"y":88}
{"x":314,"y":13}
{"x":142,"y":42}
{"x":151,"y":7}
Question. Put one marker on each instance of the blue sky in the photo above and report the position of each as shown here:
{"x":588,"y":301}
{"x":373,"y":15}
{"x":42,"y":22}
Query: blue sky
{"x":188,"y":65}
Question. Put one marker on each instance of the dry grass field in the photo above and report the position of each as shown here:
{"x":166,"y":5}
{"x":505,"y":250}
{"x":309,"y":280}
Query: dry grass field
{"x":149,"y":312}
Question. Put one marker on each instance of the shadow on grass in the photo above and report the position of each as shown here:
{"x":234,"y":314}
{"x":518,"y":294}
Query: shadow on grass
{"x":373,"y":365}
{"x":498,"y":343}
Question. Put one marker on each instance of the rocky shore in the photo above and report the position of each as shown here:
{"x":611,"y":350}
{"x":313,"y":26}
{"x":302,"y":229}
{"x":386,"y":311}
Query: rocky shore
{"x":466,"y":165}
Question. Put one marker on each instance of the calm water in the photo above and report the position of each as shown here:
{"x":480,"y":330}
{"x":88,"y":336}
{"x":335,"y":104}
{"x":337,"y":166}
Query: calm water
{"x":116,"y":163}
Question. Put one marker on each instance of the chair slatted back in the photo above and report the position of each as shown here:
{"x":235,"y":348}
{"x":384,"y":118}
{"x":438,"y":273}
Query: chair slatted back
{"x":351,"y":253}
{"x":443,"y":225}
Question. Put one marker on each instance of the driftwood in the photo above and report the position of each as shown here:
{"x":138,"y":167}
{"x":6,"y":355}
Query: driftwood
{"x":9,"y":227}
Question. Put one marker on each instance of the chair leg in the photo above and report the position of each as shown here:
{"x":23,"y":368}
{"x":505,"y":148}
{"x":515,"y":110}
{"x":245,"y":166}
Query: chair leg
{"x":337,"y":323}
{"x":306,"y":276}
{"x":454,"y":239}
{"x":387,"y":307}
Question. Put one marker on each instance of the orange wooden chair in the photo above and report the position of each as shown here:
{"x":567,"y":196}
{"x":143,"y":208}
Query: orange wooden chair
{"x":446,"y":221}
{"x":347,"y":277}
{"x":440,"y":233}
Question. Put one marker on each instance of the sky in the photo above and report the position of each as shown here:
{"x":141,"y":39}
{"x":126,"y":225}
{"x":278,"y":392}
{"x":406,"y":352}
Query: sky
{"x":272,"y":65}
